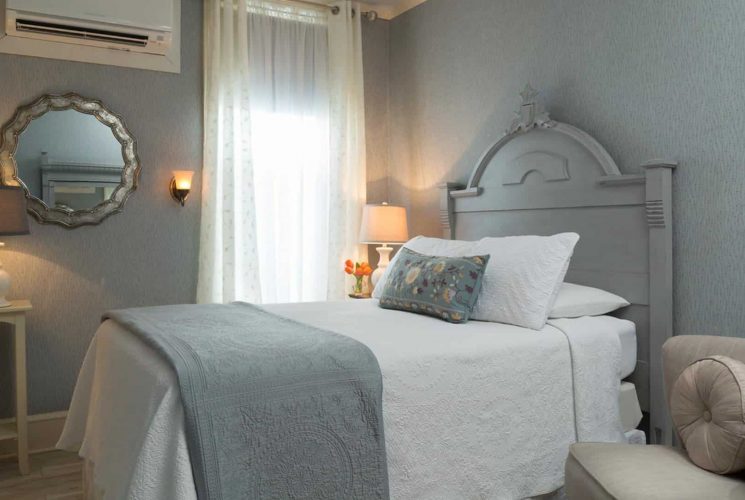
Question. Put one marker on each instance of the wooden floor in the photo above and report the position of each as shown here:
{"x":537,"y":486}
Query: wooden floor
{"x":55,"y":475}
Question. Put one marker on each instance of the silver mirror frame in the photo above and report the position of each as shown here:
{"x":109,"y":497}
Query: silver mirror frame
{"x":9,"y":174}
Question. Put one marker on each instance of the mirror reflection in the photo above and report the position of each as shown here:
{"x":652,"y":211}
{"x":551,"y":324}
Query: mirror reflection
{"x":69,"y":160}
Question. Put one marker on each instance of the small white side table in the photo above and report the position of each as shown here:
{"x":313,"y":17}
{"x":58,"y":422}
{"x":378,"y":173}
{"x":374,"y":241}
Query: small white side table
{"x":15,"y":314}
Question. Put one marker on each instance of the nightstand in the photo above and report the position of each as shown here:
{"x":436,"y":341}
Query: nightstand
{"x":15,"y":315}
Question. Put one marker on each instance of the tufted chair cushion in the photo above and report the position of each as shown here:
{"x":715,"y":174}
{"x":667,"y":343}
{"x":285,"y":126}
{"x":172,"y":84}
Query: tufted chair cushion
{"x":707,"y":405}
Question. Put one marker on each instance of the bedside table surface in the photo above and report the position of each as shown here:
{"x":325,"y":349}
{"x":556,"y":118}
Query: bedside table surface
{"x":17,"y":306}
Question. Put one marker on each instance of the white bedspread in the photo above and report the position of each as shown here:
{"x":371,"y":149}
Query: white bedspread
{"x":481,"y":410}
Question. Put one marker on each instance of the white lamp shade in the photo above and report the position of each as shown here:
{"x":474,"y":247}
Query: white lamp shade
{"x":384,"y":224}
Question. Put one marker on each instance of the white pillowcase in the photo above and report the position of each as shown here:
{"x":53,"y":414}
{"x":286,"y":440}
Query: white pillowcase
{"x":522,"y":278}
{"x":575,"y":301}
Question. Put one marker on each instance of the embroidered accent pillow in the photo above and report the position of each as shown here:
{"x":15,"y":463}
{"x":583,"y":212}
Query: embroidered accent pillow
{"x":444,"y":287}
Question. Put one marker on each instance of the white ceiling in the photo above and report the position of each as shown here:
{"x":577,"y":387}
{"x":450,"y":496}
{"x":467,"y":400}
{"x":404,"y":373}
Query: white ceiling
{"x":388,"y":9}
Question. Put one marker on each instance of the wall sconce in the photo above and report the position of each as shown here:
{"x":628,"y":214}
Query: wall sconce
{"x":181,"y":185}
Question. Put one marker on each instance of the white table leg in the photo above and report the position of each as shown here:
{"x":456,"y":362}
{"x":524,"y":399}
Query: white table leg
{"x":21,"y":403}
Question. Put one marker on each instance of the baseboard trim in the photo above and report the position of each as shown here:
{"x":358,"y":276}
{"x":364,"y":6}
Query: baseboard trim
{"x":44,"y":430}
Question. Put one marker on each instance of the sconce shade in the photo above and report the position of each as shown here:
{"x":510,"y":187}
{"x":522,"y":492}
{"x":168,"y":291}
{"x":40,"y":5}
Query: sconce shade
{"x":13,"y":218}
{"x":183,"y":179}
{"x":181,"y":185}
{"x":384,"y":224}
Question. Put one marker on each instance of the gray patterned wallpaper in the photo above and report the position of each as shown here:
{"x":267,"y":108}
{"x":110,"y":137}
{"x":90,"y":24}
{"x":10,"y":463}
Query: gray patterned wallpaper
{"x":648,"y":79}
{"x":146,"y":255}
{"x":376,"y":58}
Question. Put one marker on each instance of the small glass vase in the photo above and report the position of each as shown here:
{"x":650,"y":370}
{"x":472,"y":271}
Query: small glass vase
{"x":359,"y":290}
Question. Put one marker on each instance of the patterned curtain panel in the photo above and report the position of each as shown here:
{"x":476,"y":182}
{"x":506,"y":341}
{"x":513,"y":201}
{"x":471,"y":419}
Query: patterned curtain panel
{"x":284,"y":171}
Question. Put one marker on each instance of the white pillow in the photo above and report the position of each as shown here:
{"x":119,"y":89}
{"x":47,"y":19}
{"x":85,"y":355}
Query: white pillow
{"x":428,"y":246}
{"x":523,"y":277}
{"x":575,"y":301}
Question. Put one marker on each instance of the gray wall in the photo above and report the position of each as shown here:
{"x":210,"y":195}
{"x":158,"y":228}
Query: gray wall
{"x":376,"y":62}
{"x":144,"y":256}
{"x":71,"y":276}
{"x":376,"y":58}
{"x":648,"y":79}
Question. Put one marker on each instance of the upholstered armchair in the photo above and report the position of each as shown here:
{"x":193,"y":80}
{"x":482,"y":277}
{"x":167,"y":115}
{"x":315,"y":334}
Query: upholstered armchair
{"x":621,"y":471}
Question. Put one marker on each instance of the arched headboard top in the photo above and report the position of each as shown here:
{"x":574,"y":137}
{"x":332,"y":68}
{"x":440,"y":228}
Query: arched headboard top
{"x":536,"y":145}
{"x":544,"y":177}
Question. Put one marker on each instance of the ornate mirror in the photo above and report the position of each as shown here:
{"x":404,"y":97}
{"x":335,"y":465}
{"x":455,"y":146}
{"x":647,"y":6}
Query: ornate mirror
{"x":74,"y":158}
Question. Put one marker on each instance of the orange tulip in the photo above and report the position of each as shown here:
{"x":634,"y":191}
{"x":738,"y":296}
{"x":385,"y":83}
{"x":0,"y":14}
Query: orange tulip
{"x":358,"y":269}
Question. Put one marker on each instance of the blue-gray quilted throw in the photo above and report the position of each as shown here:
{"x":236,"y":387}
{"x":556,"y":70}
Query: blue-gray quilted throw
{"x":275,"y":409}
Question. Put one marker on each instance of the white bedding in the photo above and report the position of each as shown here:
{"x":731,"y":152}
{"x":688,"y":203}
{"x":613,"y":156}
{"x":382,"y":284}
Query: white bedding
{"x":480,"y":410}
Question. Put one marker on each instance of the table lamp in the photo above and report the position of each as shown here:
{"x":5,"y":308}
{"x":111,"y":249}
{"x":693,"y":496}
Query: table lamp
{"x":13,"y":221}
{"x":384,"y":225}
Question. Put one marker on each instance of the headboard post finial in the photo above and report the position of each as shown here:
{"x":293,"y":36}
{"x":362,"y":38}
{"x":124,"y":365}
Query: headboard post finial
{"x":659,"y":192}
{"x":447,"y":208}
{"x":671,"y":164}
{"x":659,"y":210}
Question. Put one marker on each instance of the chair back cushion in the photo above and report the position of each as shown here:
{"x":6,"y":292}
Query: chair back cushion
{"x":707,"y":405}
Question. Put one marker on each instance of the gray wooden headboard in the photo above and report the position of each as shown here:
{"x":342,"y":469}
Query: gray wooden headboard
{"x":544,"y":177}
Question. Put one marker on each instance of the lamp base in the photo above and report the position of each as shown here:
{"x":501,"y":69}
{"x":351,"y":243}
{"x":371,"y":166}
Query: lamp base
{"x":385,"y":258}
{"x":4,"y":287}
{"x":376,"y":275}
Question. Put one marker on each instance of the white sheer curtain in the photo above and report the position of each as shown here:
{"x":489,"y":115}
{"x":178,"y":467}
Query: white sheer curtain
{"x":348,"y":152}
{"x":228,"y":260}
{"x":284,"y":172}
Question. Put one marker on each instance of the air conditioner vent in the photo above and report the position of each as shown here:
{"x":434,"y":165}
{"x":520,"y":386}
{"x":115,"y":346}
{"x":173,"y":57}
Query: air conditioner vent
{"x":129,"y":33}
{"x":93,"y":34}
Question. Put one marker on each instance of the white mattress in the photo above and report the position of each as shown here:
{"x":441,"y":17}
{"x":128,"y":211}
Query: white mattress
{"x":481,"y":410}
{"x":636,"y":436}
{"x":631,"y":412}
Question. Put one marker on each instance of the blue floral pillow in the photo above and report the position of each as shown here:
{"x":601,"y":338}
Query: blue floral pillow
{"x":444,"y":287}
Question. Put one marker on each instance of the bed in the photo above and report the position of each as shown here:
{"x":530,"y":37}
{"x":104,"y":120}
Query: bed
{"x":433,"y":372}
{"x":481,"y":410}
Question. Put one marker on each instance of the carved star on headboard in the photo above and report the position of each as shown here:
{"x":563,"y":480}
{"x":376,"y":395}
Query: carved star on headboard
{"x":531,"y":113}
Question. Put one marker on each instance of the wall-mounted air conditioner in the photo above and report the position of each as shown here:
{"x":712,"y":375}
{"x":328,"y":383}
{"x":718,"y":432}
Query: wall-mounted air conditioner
{"x":136,"y":33}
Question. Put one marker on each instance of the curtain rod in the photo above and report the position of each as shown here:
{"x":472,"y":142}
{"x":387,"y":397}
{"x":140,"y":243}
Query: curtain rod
{"x":370,"y":15}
